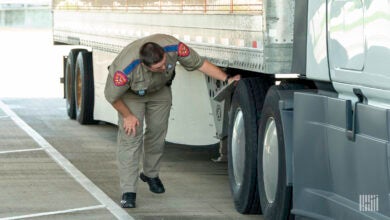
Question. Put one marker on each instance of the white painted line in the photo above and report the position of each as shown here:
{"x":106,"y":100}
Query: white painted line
{"x":18,"y":151}
{"x":54,"y":212}
{"x":4,"y":116}
{"x":95,"y":191}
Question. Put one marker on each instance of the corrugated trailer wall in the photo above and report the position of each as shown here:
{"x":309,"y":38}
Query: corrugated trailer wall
{"x":227,"y":32}
{"x":172,"y":6}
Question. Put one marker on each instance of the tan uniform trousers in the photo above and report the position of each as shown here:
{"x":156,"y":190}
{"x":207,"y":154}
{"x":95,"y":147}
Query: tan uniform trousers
{"x":153,"y":109}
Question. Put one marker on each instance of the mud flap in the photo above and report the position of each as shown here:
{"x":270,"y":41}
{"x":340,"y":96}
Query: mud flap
{"x":223,"y":97}
{"x":226,"y":92}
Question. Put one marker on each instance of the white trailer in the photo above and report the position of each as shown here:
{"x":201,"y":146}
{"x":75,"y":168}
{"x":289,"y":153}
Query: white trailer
{"x":223,"y":32}
{"x":311,"y":147}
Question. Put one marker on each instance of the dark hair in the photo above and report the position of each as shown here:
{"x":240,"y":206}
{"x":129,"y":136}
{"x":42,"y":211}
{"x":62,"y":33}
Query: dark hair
{"x":151,"y":53}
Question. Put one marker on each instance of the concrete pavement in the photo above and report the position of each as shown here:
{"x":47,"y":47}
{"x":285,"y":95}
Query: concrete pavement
{"x":33,"y":182}
{"x":37,"y":181}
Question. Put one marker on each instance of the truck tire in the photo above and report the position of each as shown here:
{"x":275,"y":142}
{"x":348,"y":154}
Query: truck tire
{"x":84,"y":88}
{"x":275,"y":194}
{"x":69,"y":83}
{"x":242,"y":143}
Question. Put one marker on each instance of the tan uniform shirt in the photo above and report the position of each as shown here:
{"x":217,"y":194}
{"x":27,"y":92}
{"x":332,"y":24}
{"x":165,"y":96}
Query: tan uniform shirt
{"x":126,"y":72}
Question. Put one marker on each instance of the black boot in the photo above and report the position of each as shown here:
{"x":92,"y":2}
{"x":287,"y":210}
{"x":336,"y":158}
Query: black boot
{"x":128,"y":200}
{"x":155,"y":184}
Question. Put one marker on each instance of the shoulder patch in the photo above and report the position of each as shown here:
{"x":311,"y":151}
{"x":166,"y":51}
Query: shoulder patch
{"x":120,"y":79}
{"x":183,"y":50}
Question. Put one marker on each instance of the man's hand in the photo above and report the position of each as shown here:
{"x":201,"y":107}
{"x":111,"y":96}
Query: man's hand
{"x":130,"y":123}
{"x":234,"y":78}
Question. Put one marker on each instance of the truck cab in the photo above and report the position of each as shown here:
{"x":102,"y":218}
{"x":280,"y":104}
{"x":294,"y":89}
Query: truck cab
{"x":341,"y":169}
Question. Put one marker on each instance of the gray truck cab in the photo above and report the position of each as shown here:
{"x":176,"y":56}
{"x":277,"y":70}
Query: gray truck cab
{"x":341,"y":138}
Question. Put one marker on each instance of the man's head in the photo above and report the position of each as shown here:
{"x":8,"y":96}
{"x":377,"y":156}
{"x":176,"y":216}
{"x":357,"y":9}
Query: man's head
{"x":153,"y":57}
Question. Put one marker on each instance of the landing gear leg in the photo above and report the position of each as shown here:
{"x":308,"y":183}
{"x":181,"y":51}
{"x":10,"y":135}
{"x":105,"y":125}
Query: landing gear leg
{"x":222,"y":151}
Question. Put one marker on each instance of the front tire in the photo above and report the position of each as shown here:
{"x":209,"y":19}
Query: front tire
{"x":275,"y":194}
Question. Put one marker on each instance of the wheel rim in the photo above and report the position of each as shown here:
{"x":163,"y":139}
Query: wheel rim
{"x":238,"y":141}
{"x":270,"y":160}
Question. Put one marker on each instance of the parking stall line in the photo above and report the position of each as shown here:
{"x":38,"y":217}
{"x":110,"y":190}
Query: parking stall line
{"x":95,"y":191}
{"x":20,"y":151}
{"x":54,"y":212}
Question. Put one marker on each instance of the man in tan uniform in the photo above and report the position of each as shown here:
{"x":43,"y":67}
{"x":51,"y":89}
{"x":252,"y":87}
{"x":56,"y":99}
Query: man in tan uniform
{"x":138,"y":87}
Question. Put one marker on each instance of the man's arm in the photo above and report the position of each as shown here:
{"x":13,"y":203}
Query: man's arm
{"x":113,"y":95}
{"x":130,"y":122}
{"x":215,"y":72}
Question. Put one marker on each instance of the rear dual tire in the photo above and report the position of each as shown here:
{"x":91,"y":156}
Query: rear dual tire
{"x":69,"y":83}
{"x":84,"y":88}
{"x":242,"y":142}
{"x":79,"y":86}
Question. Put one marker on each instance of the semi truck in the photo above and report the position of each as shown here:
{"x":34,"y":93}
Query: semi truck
{"x":305,"y":131}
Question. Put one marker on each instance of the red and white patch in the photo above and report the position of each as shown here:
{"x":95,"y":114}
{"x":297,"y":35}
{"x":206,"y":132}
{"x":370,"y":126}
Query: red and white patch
{"x":183,"y":50}
{"x":120,"y":79}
